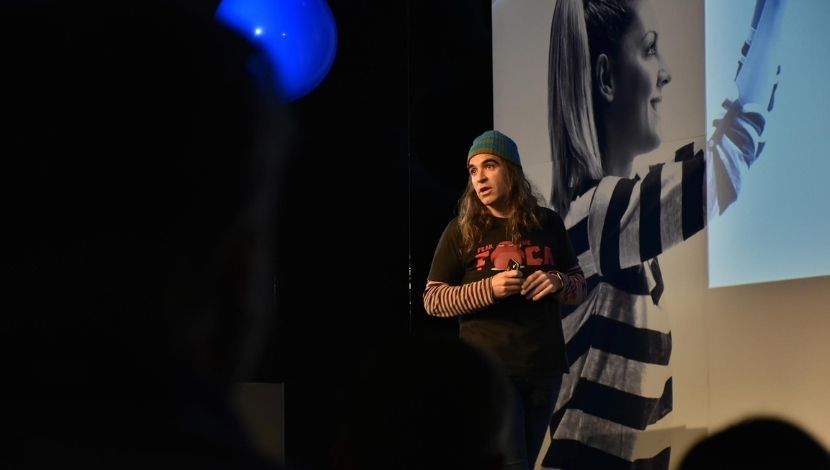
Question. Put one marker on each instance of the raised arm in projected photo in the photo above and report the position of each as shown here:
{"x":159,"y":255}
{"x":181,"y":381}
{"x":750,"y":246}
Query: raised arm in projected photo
{"x":606,"y":81}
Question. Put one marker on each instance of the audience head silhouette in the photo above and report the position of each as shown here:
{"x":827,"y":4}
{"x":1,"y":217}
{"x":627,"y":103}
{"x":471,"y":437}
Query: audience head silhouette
{"x":142,"y":149}
{"x":758,"y":443}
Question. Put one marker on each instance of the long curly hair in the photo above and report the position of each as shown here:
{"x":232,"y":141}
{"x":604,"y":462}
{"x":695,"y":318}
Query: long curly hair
{"x":475,"y":220}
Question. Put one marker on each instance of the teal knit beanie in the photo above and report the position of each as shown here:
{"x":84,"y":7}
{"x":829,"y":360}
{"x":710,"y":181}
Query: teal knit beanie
{"x":495,"y":143}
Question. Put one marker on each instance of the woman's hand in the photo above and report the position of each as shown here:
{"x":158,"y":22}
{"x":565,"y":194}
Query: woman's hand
{"x":539,"y":284}
{"x":506,"y":283}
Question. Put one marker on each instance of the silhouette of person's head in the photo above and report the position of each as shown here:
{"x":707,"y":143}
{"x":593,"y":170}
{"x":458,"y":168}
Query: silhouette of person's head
{"x":757,"y":443}
{"x":426,"y":404}
{"x":142,"y":147}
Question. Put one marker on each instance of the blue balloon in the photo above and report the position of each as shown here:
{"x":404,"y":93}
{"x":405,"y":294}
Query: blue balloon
{"x":299,"y":36}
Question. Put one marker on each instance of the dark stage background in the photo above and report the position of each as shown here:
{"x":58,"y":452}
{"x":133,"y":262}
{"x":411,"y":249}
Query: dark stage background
{"x":381,"y":142}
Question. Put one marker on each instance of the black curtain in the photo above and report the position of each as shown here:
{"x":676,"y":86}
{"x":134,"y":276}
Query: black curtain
{"x":381,"y":142}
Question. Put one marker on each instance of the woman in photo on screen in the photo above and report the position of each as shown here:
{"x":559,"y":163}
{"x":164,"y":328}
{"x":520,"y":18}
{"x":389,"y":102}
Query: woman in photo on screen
{"x":606,"y":81}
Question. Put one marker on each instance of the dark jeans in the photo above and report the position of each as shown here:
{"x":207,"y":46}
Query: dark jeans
{"x":534,"y":400}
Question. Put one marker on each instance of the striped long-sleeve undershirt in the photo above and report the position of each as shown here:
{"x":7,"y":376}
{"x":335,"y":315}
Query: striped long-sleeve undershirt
{"x":444,"y":300}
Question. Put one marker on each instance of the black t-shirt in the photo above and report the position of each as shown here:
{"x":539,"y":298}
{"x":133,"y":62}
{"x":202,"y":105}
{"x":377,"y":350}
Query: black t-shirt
{"x":525,"y":335}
